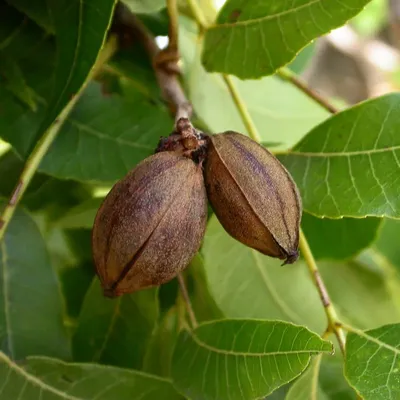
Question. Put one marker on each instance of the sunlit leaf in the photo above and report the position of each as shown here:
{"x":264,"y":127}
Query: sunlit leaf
{"x":241,"y":44}
{"x":280,"y":111}
{"x":349,"y":165}
{"x":242,"y":359}
{"x":372,"y":363}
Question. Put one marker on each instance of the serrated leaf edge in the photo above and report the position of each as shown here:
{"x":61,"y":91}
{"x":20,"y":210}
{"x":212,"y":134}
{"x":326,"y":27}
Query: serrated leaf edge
{"x":234,"y":353}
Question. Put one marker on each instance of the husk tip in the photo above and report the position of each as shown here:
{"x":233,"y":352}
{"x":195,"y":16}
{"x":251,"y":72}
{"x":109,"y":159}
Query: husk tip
{"x":291,"y":257}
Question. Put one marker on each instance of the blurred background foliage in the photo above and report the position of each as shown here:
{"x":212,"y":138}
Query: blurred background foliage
{"x":116,"y":123}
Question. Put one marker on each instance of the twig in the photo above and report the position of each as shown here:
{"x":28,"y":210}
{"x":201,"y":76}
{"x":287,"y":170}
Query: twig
{"x":164,"y":62}
{"x":186,"y":298}
{"x":334,"y":326}
{"x":286,"y":74}
{"x":173,"y":26}
{"x":42,"y":146}
{"x":241,"y":106}
{"x":198,"y":15}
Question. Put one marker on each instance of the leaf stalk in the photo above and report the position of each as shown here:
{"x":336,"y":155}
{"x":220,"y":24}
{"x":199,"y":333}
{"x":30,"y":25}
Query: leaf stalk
{"x":334,"y":325}
{"x":291,"y":77}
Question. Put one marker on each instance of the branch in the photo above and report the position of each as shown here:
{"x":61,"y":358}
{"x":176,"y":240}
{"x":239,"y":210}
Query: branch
{"x":42,"y":146}
{"x":164,"y":61}
{"x":286,"y":74}
{"x":334,"y":325}
{"x":186,"y":298}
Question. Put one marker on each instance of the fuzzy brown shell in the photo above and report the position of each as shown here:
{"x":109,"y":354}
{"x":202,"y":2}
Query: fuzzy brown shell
{"x":253,"y":195}
{"x":150,"y":225}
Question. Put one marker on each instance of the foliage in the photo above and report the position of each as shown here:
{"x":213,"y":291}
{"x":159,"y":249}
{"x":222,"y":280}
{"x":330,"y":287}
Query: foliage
{"x":80,"y":106}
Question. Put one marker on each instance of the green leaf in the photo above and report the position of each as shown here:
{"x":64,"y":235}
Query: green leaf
{"x":31,"y":310}
{"x":322,"y":382}
{"x":385,"y":254}
{"x":331,"y":379}
{"x":203,"y":303}
{"x":372,"y":19}
{"x":80,"y":28}
{"x":307,"y":386}
{"x":14,"y":81}
{"x":75,"y":282}
{"x":387,"y":242}
{"x":115,"y":331}
{"x":51,"y":379}
{"x":145,"y":6}
{"x":360,"y":295}
{"x":241,"y":359}
{"x":102,"y":139}
{"x":36,"y":10}
{"x":301,"y":61}
{"x":372,"y":362}
{"x":276,"y":106}
{"x":159,"y":352}
{"x":349,"y":165}
{"x":135,"y":67}
{"x":19,"y":36}
{"x":339,"y":239}
{"x":81,"y":216}
{"x":241,"y":44}
{"x":247,"y":284}
{"x":44,"y":193}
